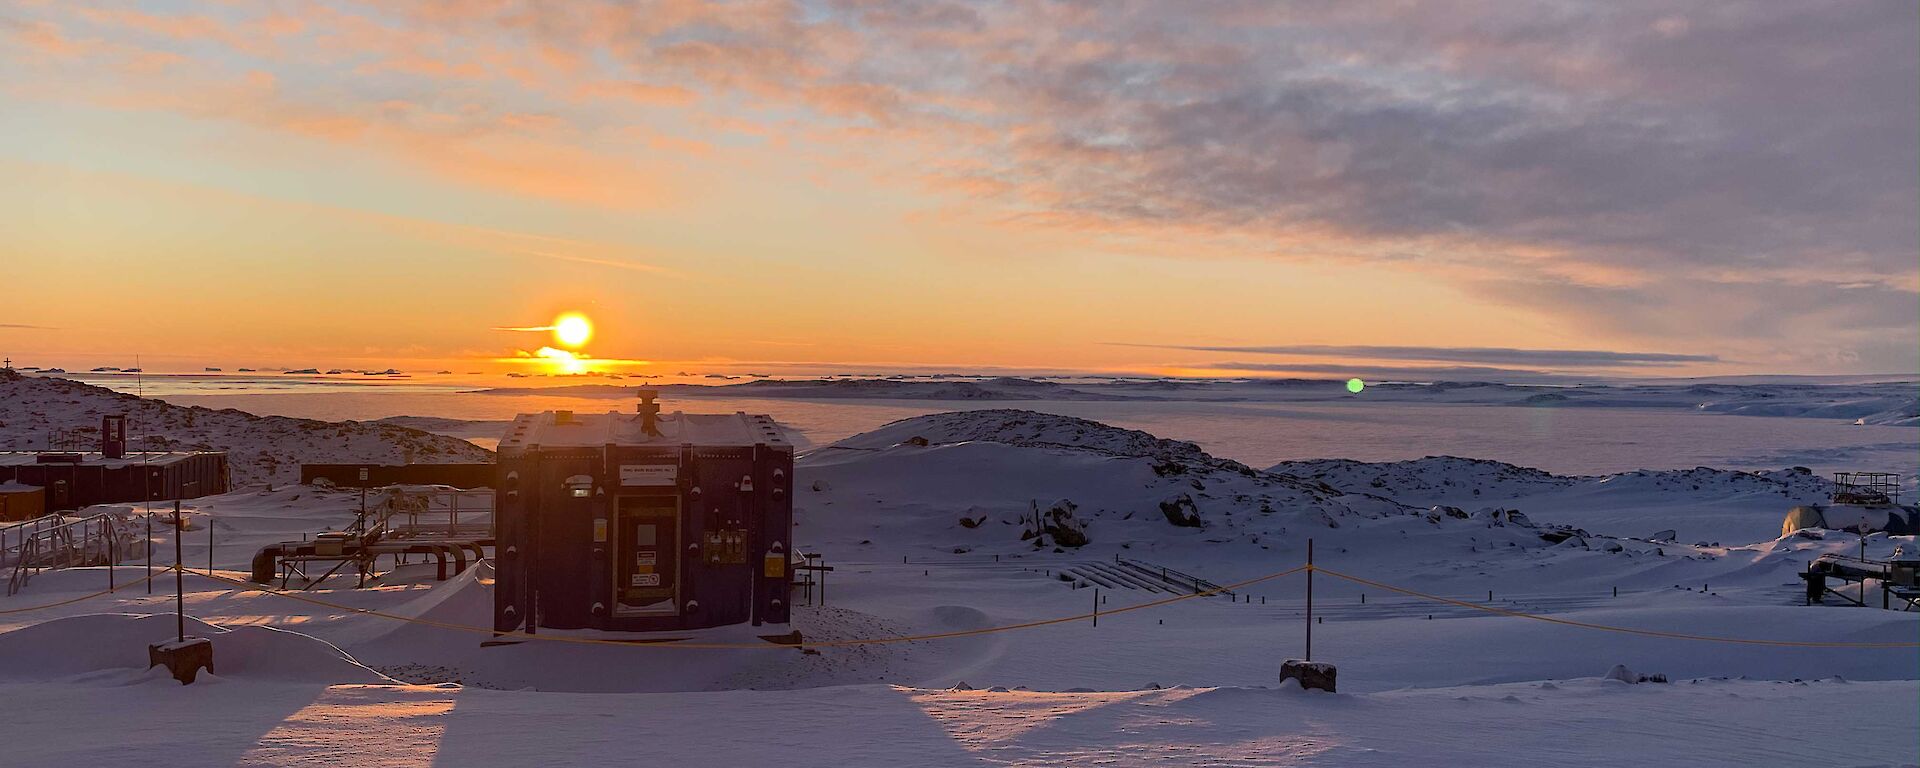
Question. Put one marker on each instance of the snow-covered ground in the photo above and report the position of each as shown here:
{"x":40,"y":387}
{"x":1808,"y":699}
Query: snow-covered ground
{"x":924,"y":520}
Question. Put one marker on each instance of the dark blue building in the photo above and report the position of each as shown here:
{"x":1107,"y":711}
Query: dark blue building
{"x":642,"y":522}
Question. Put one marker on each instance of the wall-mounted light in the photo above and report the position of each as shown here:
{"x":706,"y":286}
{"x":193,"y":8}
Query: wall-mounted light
{"x":579,"y":486}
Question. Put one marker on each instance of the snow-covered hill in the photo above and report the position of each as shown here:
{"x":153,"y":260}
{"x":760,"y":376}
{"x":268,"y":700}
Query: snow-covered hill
{"x":1034,"y":430}
{"x":1699,"y":504}
{"x":971,"y":482}
{"x":261,"y":449}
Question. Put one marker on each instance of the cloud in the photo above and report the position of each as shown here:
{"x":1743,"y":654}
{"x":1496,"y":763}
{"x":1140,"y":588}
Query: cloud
{"x":1562,"y":358}
{"x":27,"y":327}
{"x":1396,"y":373}
{"x":1623,"y":166}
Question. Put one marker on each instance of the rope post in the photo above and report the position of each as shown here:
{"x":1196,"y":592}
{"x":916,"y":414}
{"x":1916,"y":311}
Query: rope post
{"x":1096,"y":606}
{"x":1309,"y":599}
{"x":209,"y":545}
{"x":149,"y":547}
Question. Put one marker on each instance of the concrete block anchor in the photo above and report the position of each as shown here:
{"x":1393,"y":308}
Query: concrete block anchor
{"x":1313,"y":675}
{"x":184,"y":658}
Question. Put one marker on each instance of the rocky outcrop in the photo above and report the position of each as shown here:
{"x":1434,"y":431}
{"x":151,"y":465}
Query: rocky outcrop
{"x":1181,"y":511}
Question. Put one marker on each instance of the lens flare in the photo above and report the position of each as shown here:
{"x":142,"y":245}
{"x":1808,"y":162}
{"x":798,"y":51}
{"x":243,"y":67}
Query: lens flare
{"x":572,"y":330}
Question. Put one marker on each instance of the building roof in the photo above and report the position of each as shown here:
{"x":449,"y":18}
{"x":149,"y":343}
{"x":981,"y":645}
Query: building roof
{"x":97,"y":459}
{"x":550,"y":429}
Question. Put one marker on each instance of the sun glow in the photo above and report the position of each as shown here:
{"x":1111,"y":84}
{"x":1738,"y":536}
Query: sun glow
{"x":572,"y":330}
{"x":562,"y":360}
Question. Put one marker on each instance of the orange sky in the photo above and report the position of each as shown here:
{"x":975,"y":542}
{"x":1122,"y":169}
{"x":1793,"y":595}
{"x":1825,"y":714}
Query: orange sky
{"x":791,"y":187}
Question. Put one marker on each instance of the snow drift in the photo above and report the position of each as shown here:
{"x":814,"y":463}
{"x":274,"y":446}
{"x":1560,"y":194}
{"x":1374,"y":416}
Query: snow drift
{"x":87,"y":645}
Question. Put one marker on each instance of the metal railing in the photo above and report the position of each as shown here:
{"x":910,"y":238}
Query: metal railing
{"x":1173,"y":577}
{"x":13,"y":536}
{"x":101,"y":539}
{"x":448,"y":514}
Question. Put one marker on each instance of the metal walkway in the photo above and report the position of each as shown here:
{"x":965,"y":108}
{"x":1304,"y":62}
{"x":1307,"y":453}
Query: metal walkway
{"x":54,"y":542}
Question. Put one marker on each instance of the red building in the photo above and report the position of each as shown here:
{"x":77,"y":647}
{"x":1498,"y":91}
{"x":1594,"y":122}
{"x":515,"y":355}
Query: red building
{"x":74,"y":479}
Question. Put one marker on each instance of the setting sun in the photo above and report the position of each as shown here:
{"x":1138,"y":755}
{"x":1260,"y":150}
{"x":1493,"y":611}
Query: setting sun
{"x":572,"y":330}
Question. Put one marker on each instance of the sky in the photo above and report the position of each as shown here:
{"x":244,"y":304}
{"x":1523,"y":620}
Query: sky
{"x":1435,"y":190}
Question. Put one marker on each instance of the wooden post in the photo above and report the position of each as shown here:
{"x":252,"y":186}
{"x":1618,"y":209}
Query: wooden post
{"x":149,"y":547}
{"x":1096,"y":606}
{"x":1309,"y":599}
{"x":179,"y":586}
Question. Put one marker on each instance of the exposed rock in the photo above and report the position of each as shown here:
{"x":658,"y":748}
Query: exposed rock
{"x":1059,"y":522}
{"x":1621,"y":673}
{"x":1180,"y":511}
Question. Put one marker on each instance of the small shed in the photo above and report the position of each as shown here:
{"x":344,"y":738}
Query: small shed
{"x":19,"y":501}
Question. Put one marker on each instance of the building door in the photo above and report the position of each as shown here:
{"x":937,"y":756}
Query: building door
{"x":647,"y":556}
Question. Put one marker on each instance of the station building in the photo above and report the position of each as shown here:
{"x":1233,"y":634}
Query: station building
{"x":74,"y":479}
{"x":642,"y":522}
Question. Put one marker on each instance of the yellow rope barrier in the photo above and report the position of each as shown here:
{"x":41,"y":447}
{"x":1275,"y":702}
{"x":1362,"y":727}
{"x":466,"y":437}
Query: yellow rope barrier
{"x":134,"y":583}
{"x":1607,"y":628}
{"x":521,"y":635}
